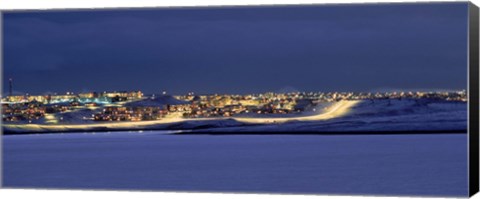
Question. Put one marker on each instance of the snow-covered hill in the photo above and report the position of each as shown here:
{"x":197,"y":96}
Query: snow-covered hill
{"x":379,"y":116}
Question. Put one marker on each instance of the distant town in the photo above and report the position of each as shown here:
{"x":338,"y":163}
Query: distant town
{"x":136,"y":106}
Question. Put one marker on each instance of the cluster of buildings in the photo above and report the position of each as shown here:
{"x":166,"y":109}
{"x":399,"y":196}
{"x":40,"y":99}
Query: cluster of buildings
{"x":121,"y":113}
{"x":19,"y":112}
{"x":118,"y":106}
{"x":35,"y":107}
{"x":89,"y":97}
{"x":230,"y":105}
{"x":336,"y":96}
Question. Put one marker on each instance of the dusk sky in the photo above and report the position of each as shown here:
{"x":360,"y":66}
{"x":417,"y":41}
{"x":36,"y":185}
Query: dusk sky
{"x":238,"y":50}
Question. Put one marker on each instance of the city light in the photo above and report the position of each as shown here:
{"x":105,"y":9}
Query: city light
{"x":133,"y":110}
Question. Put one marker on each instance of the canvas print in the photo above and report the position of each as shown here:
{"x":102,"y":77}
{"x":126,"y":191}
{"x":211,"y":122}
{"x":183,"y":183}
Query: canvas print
{"x":358,"y":99}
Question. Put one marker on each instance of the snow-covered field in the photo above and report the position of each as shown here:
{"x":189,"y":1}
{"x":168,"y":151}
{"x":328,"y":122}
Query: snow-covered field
{"x":420,"y":165}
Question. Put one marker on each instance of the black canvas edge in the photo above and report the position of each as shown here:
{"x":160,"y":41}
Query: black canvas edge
{"x":473,"y":101}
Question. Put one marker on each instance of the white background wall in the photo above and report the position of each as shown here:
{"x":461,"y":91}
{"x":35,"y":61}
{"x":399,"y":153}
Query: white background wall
{"x":48,"y":4}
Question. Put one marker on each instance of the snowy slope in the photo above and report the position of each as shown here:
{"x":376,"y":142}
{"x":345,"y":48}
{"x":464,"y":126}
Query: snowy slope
{"x":380,"y":115}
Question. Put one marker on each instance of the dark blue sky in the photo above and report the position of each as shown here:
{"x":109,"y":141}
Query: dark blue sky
{"x":239,"y":50}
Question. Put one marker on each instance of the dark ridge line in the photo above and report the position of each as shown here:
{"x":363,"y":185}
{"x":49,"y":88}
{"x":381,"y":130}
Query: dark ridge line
{"x":99,"y":130}
{"x":417,"y":132}
{"x":200,"y":132}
